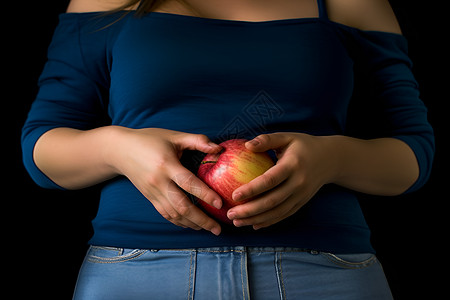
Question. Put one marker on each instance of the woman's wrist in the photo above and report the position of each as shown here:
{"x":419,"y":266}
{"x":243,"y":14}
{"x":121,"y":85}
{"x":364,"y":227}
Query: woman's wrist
{"x":330,"y":149}
{"x":114,"y":148}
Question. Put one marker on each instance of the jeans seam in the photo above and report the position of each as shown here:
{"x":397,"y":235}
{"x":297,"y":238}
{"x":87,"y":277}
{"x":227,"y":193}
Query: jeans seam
{"x":113,"y":260}
{"x":244,"y":276}
{"x":118,"y":249}
{"x":192,"y":270}
{"x":279,"y":272}
{"x":347,"y":264}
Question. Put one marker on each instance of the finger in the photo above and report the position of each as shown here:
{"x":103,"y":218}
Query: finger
{"x":258,"y":224}
{"x":198,"y":142}
{"x":165,"y":209}
{"x":273,"y":216}
{"x":267,"y":142}
{"x":160,"y":201}
{"x":194,"y":186}
{"x":185,"y":212}
{"x":287,"y":208}
{"x":174,"y":218}
{"x":265,"y":182}
{"x":264,"y":203}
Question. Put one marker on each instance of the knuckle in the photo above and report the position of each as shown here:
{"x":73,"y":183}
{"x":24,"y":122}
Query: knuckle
{"x":183,"y":180}
{"x":164,"y":213}
{"x":148,"y":193}
{"x":172,"y":215}
{"x":166,"y":216}
{"x":190,"y":184}
{"x":270,"y":202}
{"x":302,"y":180}
{"x":183,"y":211}
{"x":249,"y":191}
{"x":268,"y":180}
{"x":150,"y":180}
{"x":193,"y":187}
{"x":203,"y":194}
{"x":245,"y":211}
{"x":293,"y":162}
{"x":264,"y":138}
{"x":162,"y":162}
{"x":175,"y":217}
{"x":205,"y":223}
{"x":202,"y":138}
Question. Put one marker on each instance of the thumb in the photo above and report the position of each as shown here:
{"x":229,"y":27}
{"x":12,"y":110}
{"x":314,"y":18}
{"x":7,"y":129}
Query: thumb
{"x":265,"y":142}
{"x":200,"y":142}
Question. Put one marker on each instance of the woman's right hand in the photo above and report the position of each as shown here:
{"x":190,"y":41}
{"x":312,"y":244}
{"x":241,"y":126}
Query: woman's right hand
{"x":150,"y":159}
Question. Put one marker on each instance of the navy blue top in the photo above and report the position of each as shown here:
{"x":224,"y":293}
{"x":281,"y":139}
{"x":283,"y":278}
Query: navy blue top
{"x":225,"y":79}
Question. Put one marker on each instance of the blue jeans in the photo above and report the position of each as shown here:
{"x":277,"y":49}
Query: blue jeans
{"x":229,"y":273}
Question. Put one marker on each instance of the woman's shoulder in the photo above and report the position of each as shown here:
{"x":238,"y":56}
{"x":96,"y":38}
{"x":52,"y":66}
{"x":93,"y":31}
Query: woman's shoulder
{"x":370,"y":15}
{"x":82,"y":6}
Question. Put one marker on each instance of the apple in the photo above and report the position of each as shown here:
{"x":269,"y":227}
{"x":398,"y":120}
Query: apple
{"x":224,"y":172}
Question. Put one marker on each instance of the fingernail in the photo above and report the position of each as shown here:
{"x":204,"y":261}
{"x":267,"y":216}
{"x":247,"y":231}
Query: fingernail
{"x":217,"y":204}
{"x":216,"y":231}
{"x":237,"y":196}
{"x":238,"y":223}
{"x":213,"y":145}
{"x":254,"y":142}
{"x":231,"y":215}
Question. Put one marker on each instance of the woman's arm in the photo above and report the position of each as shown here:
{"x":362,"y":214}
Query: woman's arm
{"x":64,"y":144}
{"x":368,"y":15}
{"x":75,"y":159}
{"x":382,"y":166}
{"x":149,"y":158}
{"x":385,"y":166}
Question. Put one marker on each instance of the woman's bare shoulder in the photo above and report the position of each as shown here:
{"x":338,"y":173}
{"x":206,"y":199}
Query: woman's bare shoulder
{"x":374,"y":15}
{"x":80,"y":6}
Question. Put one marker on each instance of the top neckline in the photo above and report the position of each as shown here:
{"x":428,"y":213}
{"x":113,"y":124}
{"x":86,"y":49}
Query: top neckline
{"x":228,"y":21}
{"x":180,"y":17}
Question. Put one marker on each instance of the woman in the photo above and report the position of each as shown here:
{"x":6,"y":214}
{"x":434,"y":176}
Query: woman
{"x":131,"y":97}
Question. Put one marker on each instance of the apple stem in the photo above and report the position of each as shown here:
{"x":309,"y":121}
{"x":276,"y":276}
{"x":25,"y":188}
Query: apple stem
{"x":208,"y":162}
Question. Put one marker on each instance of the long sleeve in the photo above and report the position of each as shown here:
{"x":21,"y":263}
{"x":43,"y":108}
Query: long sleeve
{"x":74,"y":85}
{"x":386,"y":65}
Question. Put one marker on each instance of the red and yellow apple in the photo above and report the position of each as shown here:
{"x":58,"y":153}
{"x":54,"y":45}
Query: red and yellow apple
{"x":224,"y":172}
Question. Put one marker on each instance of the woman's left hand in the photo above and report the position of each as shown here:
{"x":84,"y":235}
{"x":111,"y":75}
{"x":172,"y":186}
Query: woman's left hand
{"x":304,"y":165}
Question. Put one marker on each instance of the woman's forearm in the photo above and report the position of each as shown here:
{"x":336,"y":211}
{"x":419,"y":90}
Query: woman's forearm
{"x":75,"y":159}
{"x":385,"y":166}
{"x":148,"y":157}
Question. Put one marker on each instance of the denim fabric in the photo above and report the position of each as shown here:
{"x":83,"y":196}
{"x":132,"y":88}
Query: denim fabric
{"x":229,"y":273}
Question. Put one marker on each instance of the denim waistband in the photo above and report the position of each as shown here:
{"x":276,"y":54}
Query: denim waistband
{"x":222,"y":249}
{"x":251,"y":249}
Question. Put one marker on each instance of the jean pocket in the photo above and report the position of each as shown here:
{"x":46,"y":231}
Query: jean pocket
{"x":351,"y":261}
{"x":108,"y":255}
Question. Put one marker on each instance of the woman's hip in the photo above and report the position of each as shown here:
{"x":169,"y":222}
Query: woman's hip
{"x":228,"y":273}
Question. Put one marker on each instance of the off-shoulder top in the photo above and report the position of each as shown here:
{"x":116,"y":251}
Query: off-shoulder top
{"x":226,"y":79}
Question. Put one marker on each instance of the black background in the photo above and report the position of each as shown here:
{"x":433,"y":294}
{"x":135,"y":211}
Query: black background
{"x":45,"y":232}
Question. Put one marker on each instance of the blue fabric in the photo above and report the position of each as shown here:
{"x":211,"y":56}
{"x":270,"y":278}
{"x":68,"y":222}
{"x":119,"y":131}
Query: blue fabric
{"x":229,"y":273}
{"x":225,"y":79}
